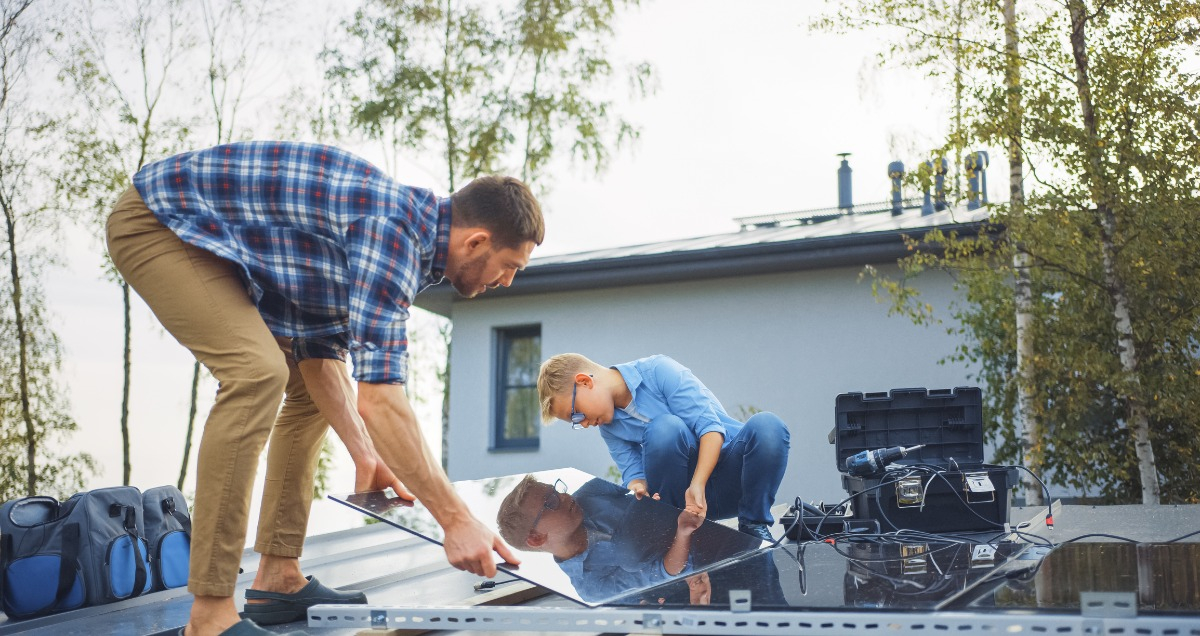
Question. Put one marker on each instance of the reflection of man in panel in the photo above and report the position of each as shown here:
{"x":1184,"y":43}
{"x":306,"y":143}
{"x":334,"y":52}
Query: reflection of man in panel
{"x":606,"y":540}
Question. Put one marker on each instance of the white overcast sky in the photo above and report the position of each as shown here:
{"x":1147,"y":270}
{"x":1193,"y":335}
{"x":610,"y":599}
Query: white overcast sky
{"x":750,"y":112}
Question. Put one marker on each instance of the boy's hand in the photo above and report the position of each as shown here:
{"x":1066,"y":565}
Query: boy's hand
{"x":638,"y":488}
{"x":694,"y":501}
{"x":687,"y":523}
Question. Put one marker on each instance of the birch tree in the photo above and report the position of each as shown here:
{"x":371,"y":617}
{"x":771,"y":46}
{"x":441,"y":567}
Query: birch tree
{"x":34,"y":418}
{"x":119,"y":59}
{"x":1105,"y":123}
{"x":488,"y":87}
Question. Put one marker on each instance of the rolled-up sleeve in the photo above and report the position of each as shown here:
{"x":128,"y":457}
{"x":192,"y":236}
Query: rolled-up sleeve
{"x":327,"y":347}
{"x":384,"y":263}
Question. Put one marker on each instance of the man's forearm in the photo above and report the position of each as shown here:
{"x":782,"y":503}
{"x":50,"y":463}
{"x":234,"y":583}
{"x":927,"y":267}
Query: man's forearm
{"x":398,"y":440}
{"x":328,"y":384}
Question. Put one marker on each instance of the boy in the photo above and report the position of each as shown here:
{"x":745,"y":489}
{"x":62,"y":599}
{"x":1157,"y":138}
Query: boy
{"x":669,"y":435}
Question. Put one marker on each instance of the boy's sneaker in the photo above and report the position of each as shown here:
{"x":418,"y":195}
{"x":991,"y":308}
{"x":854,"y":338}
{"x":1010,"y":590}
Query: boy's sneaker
{"x":760,"y":530}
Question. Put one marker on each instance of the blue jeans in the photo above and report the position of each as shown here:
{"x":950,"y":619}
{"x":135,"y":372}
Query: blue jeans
{"x":745,"y":479}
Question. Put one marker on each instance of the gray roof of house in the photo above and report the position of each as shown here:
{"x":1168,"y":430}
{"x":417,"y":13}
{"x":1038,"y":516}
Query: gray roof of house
{"x":764,"y":244}
{"x":396,"y":568}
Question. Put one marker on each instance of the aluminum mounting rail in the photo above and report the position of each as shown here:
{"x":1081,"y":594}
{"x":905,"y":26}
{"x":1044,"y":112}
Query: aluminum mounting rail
{"x":681,"y":621}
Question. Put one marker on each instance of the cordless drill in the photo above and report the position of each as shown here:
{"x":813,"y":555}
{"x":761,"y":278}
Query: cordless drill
{"x":869,"y":462}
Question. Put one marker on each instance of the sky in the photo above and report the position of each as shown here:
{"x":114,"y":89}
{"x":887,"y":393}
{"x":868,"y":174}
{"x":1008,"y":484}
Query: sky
{"x":750,"y":111}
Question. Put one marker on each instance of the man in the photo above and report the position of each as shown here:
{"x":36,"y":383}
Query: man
{"x":270,"y":262}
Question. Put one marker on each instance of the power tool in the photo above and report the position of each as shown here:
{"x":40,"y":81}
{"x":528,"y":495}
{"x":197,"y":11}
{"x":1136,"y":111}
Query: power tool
{"x":870,"y":462}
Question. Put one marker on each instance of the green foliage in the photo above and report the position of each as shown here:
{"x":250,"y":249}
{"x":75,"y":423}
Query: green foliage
{"x":59,"y":474}
{"x":34,"y":418}
{"x":324,"y":465}
{"x":492,"y":86}
{"x":1141,"y":161}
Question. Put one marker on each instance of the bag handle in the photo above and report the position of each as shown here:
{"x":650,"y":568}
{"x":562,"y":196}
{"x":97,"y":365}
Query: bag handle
{"x":67,"y":562}
{"x":139,"y":577}
{"x":168,"y":506}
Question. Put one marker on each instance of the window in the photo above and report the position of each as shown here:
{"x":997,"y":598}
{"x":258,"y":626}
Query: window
{"x":517,"y":412}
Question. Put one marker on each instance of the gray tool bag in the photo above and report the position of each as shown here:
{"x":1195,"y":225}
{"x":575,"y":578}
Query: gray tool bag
{"x":169,"y":535}
{"x":87,"y":550}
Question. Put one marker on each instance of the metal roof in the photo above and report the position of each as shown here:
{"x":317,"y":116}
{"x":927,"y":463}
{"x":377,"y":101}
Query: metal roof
{"x":396,"y":568}
{"x":765,"y":244}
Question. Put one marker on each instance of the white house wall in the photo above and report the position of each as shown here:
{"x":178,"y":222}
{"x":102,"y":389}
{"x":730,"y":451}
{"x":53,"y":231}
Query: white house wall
{"x":787,"y":343}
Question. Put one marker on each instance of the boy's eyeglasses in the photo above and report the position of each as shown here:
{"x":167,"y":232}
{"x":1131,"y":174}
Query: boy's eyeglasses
{"x":576,"y":418}
{"x":551,"y":501}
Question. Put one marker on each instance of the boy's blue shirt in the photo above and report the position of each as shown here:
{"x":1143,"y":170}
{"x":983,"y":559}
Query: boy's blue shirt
{"x":660,"y":385}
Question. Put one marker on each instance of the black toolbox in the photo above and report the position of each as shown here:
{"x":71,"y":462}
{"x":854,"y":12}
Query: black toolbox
{"x":945,"y":486}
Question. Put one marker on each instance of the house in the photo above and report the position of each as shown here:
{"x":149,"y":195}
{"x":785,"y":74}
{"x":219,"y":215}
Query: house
{"x":773,"y":317}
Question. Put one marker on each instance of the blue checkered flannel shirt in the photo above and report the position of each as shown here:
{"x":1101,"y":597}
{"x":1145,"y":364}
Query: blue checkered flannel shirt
{"x":333,"y":251}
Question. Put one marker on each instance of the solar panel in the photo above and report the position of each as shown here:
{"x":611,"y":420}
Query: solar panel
{"x":593,"y":542}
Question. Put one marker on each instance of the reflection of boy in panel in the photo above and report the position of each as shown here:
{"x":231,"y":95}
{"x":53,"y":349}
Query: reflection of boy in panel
{"x":669,"y":435}
{"x":605,"y":541}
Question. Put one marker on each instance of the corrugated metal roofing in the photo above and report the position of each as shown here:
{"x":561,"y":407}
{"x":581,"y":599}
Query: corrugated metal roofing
{"x":776,"y":243}
{"x":399,"y":569}
{"x":781,"y":231}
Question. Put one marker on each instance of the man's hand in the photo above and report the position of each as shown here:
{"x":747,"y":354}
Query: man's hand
{"x":372,"y":474}
{"x":699,"y":589}
{"x":694,"y":501}
{"x":469,"y":546}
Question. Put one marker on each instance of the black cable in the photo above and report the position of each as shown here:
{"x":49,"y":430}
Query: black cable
{"x":1045,"y":491}
{"x":491,"y":584}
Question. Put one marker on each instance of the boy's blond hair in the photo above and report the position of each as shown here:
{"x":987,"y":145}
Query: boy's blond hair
{"x":557,"y":375}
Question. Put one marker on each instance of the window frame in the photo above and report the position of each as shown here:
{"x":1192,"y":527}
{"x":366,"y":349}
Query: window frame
{"x":502,"y":338}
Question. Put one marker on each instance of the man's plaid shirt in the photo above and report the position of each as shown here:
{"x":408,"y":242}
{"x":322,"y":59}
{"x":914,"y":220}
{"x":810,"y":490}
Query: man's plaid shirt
{"x":333,"y":250}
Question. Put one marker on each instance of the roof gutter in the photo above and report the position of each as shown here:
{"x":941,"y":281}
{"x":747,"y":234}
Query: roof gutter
{"x":718,"y":262}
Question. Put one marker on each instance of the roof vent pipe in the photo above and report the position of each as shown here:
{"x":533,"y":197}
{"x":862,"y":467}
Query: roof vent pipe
{"x":977,"y":163}
{"x":844,"y":199}
{"x":940,"y":167}
{"x":927,"y":204}
{"x":896,"y":173}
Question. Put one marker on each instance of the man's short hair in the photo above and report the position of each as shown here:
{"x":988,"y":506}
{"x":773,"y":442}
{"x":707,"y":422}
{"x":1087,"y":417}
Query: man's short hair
{"x":511,"y":518}
{"x":557,"y":375}
{"x":504,"y":206}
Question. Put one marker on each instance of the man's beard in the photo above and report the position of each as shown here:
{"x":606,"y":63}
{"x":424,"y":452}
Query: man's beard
{"x":469,"y":277}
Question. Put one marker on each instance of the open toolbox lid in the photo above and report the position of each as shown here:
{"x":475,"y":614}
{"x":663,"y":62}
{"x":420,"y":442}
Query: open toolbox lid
{"x":949,"y":422}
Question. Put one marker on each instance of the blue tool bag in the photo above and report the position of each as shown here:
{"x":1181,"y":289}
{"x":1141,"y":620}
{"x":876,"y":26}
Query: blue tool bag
{"x":87,"y":550}
{"x":169,"y":534}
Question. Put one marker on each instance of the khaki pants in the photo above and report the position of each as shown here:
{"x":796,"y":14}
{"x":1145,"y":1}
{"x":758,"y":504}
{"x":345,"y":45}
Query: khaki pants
{"x":201,"y":300}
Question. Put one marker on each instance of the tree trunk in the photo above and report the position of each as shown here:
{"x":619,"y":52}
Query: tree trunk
{"x":1031,"y":429}
{"x":10,"y":222}
{"x":125,"y":390}
{"x":187,"y":440}
{"x":450,"y":173}
{"x":1138,"y":416}
{"x":446,"y":406}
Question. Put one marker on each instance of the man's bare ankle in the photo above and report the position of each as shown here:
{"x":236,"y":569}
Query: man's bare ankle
{"x":211,"y":615}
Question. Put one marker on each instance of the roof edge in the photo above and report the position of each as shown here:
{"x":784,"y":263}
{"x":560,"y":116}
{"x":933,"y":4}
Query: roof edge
{"x":704,"y":264}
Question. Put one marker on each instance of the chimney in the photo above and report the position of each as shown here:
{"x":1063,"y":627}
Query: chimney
{"x":977,"y":163}
{"x":896,"y":173}
{"x":940,"y":167}
{"x":844,"y":199}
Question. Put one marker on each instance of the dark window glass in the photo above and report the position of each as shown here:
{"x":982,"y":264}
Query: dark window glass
{"x":517,"y":413}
